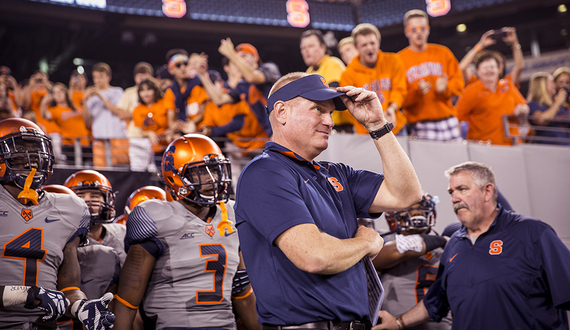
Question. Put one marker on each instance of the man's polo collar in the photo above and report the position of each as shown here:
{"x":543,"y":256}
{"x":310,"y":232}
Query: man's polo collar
{"x":272,"y":146}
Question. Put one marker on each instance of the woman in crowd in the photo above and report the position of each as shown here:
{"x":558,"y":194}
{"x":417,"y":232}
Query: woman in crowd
{"x":58,"y":107}
{"x":154,"y":117}
{"x":548,"y":109}
{"x":484,"y":103}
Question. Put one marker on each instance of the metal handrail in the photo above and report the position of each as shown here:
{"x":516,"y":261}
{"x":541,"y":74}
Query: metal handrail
{"x":507,"y":125}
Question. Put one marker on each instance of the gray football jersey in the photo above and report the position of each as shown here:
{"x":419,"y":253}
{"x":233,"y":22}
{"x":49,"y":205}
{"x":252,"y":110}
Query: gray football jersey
{"x":100,"y":268}
{"x":191,"y":282}
{"x":115,"y":238}
{"x":32,"y":239}
{"x":408,"y":282}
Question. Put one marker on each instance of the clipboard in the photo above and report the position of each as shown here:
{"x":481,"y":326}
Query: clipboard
{"x":375,"y":290}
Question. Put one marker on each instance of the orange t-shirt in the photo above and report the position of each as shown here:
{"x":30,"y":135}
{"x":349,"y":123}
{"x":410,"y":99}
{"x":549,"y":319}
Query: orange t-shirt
{"x":35,"y":106}
{"x":386,"y":79}
{"x":250,"y":136}
{"x":484,"y":110}
{"x":153,"y":118}
{"x":429,"y":65}
{"x":71,"y":123}
{"x":77,"y":98}
{"x":196,"y":98}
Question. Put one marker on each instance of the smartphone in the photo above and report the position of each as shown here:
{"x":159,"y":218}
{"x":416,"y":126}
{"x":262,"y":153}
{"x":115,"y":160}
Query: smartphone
{"x":498,"y":35}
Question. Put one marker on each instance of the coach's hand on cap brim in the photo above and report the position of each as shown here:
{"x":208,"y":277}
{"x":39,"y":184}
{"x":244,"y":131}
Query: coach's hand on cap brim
{"x":364,"y":106}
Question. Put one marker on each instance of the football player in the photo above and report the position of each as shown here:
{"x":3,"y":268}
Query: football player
{"x":138,"y":196}
{"x":96,"y":190}
{"x":96,"y":261}
{"x":190,"y":247}
{"x":408,"y":262}
{"x":39,"y":235}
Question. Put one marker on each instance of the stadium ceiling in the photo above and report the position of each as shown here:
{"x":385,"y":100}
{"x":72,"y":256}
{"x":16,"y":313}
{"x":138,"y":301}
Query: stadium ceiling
{"x":56,"y":32}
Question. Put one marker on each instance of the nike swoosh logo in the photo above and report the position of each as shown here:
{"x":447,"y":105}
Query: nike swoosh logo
{"x":451,"y":259}
{"x":307,"y":181}
{"x":51,"y":220}
{"x":85,"y":282}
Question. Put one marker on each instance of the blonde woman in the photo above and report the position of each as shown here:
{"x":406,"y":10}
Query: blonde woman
{"x":547,"y":107}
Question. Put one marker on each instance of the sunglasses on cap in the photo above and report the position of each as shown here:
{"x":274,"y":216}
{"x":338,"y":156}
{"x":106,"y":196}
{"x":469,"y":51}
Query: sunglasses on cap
{"x":416,"y":28}
{"x":179,"y":64}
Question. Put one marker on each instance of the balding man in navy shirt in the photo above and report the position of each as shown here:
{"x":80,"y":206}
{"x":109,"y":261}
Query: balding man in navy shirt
{"x":297,"y":217}
{"x":501,"y":270}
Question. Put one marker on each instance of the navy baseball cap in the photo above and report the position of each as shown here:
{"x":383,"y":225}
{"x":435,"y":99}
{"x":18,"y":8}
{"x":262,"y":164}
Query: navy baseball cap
{"x":312,"y":87}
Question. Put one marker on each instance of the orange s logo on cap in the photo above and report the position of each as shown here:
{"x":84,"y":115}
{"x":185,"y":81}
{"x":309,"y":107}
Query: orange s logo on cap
{"x":324,"y":82}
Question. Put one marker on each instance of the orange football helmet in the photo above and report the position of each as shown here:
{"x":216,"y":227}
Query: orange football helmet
{"x":58,"y":189}
{"x":143,"y":194}
{"x":194,"y":169}
{"x":81,"y":181}
{"x":24,"y":145}
{"x":122,"y":219}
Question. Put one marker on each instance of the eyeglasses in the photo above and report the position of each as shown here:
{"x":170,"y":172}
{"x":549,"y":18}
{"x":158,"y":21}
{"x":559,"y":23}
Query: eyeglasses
{"x":417,"y":28}
{"x":179,"y":64}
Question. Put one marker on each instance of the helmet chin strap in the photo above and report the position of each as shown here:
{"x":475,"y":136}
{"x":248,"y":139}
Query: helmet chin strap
{"x":28,"y":194}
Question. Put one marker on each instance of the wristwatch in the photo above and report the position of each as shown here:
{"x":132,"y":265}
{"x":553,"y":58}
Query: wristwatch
{"x":387,"y":128}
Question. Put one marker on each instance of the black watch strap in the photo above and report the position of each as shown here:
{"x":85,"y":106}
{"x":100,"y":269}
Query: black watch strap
{"x":387,"y":128}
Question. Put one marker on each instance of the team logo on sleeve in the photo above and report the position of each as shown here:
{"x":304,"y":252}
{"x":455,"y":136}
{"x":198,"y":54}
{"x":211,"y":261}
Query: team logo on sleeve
{"x":496,"y":247}
{"x":27,"y":214}
{"x":210,"y":230}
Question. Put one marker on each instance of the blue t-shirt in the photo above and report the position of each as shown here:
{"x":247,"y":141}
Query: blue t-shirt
{"x":279,"y":190}
{"x":562,"y":133}
{"x":515,"y":276}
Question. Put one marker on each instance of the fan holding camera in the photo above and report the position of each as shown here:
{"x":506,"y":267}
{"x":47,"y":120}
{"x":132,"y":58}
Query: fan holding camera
{"x":508,"y":35}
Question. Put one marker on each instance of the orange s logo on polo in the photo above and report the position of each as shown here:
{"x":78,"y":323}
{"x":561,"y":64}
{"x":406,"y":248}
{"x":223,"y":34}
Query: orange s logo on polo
{"x":27,"y":214}
{"x":496,"y":247}
{"x":336,"y":185}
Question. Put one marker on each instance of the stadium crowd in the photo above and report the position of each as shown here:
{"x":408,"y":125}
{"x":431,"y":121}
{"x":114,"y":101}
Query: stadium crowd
{"x":425,"y":91}
{"x":172,"y":259}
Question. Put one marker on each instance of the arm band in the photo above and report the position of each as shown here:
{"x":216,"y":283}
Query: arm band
{"x":124,"y":302}
{"x":433,"y":241}
{"x":69,"y":288}
{"x":244,"y":296}
{"x":13,"y":295}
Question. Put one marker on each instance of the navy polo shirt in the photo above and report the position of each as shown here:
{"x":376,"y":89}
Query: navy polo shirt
{"x":279,"y":190}
{"x":515,"y":276}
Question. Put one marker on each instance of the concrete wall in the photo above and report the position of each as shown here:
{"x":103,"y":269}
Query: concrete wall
{"x":535,"y":179}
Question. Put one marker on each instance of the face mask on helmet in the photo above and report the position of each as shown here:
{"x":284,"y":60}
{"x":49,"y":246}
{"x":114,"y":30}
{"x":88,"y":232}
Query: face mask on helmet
{"x":21,"y":151}
{"x":207,"y":181}
{"x":96,"y":190}
{"x":100,"y":202}
{"x":420,"y":215}
{"x":195,"y":170}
